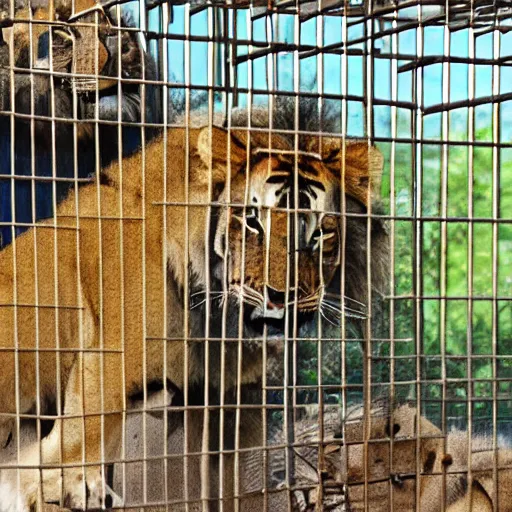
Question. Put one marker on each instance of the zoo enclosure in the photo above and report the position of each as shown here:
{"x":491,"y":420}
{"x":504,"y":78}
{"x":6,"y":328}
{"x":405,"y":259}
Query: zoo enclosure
{"x":430,"y":84}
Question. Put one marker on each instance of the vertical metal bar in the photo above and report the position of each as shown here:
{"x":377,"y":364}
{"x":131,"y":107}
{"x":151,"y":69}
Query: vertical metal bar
{"x":97,"y":138}
{"x":320,"y":85}
{"x":392,"y":241}
{"x":344,"y":80}
{"x":101,"y":340}
{"x":98,"y":149}
{"x":229,"y":84}
{"x":240,"y":326}
{"x":367,"y":364}
{"x":143,"y":26}
{"x":165,"y":255}
{"x":186,"y":284}
{"x":270,"y":107}
{"x":144,"y":281}
{"x":418,"y":153}
{"x":240,"y":320}
{"x":470,"y":248}
{"x":15,"y":258}
{"x":78,"y":284}
{"x":33,"y":198}
{"x":230,"y":75}
{"x":121,"y":244}
{"x":205,"y":458}
{"x":291,"y":363}
{"x":496,"y":124}
{"x":58,"y":379}
{"x":444,"y":238}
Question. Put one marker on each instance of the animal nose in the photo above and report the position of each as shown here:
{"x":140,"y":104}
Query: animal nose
{"x":275,"y":298}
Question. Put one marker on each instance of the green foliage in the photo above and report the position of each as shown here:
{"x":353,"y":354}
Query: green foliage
{"x":449,"y":245}
{"x":459,"y":252}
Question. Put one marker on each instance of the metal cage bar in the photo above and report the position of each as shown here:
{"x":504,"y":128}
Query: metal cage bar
{"x":426,"y":82}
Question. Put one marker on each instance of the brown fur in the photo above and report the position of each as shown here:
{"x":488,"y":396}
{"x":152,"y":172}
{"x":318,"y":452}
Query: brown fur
{"x":482,"y":464}
{"x":78,"y":47}
{"x":475,"y":501}
{"x":95,"y":290}
{"x":348,"y":467}
{"x":442,"y":464}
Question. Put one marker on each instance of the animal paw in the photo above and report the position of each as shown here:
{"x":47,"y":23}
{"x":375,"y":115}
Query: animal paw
{"x":20,"y":488}
{"x":95,"y":493}
{"x":21,"y":493}
{"x":18,"y":496}
{"x":103,"y":494}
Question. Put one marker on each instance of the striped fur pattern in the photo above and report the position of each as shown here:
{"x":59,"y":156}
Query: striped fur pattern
{"x":288,"y":212}
{"x":342,"y":157}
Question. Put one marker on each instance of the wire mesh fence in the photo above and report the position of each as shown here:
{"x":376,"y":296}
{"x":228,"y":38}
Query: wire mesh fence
{"x":255,"y":255}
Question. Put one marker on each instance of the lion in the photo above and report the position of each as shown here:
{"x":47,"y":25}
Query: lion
{"x":386,"y":467}
{"x":94,"y":303}
{"x":437,"y":463}
{"x":488,"y":474}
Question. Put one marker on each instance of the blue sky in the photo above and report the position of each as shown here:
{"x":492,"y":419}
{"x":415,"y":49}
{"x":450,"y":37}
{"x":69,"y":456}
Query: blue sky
{"x":332,"y":33}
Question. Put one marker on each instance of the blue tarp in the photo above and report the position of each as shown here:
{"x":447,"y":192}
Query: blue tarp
{"x":43,"y":191}
{"x":23,"y":188}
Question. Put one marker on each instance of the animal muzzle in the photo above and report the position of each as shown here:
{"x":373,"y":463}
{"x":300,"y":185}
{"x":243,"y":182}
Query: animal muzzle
{"x":275,"y":312}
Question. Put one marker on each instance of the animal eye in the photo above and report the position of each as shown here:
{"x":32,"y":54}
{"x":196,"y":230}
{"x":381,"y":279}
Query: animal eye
{"x":324,"y":237}
{"x":317,"y":234}
{"x":329,"y":223}
{"x":252,"y":220}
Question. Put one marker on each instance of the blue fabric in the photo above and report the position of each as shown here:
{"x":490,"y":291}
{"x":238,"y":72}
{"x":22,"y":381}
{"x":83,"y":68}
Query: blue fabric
{"x":25,"y":190}
{"x":5,"y":183}
{"x":44,"y":194}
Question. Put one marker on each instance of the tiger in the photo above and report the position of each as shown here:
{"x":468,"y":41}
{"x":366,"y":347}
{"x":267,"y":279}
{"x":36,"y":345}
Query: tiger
{"x":98,"y":301}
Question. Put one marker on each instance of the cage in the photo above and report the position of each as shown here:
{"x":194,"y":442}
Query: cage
{"x":255,"y":255}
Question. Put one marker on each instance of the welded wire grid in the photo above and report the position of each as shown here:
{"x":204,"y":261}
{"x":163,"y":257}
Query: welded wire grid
{"x":427,"y":82}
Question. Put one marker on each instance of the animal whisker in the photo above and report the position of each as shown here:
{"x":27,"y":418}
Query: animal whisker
{"x":352,"y":313}
{"x":251,"y":302}
{"x":211,"y":295}
{"x":206,"y":292}
{"x":339,"y":307}
{"x":311,"y":300}
{"x":326,"y":317}
{"x":250,"y":291}
{"x":339,"y":310}
{"x":198,"y":304}
{"x":242,"y":296}
{"x":345,"y":297}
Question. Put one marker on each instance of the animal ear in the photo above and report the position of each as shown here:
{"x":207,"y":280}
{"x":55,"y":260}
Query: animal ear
{"x":359,"y":163}
{"x":212,"y":147}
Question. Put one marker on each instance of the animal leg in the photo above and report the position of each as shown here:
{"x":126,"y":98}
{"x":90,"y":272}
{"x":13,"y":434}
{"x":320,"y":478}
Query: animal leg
{"x":83,"y":441}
